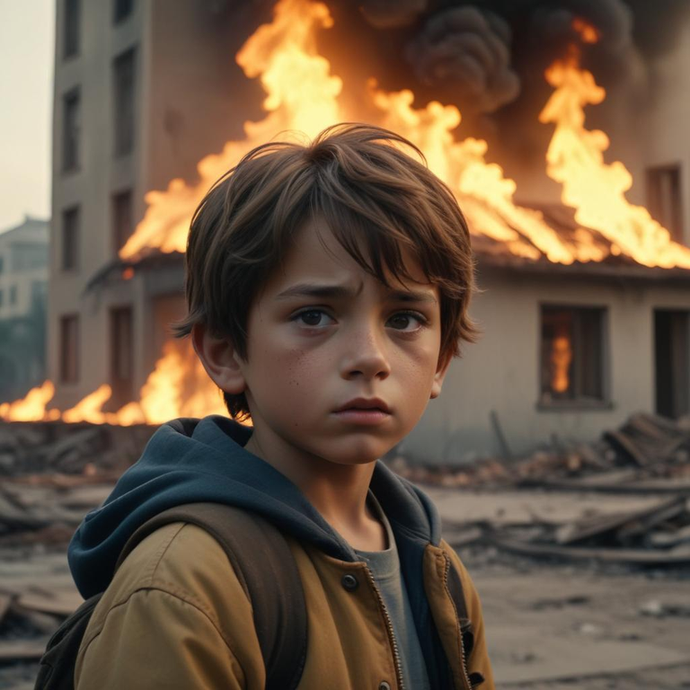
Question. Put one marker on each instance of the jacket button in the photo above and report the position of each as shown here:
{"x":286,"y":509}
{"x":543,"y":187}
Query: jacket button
{"x":384,"y":686}
{"x":350,"y":582}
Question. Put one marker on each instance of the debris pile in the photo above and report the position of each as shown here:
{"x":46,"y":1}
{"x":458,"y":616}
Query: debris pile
{"x":647,"y":453}
{"x":658,"y":536}
{"x":81,"y":448}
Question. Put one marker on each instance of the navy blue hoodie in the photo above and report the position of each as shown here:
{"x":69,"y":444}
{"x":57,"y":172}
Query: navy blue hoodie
{"x":191,"y":460}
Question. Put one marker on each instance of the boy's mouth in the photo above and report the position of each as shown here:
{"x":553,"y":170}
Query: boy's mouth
{"x":364,"y":411}
{"x":368,"y":404}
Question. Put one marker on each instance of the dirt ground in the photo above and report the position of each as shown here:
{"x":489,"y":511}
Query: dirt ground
{"x":550,"y":626}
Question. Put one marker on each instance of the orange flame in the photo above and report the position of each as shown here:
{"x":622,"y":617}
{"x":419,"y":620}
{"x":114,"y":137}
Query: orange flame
{"x":560,"y":359}
{"x":588,"y":33}
{"x":178,"y":387}
{"x":31,"y":408}
{"x":594,"y":188}
{"x":301,"y":96}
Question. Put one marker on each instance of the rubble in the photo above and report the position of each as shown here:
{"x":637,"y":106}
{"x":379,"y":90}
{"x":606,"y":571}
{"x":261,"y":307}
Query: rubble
{"x":648,"y":454}
{"x":82,"y":448}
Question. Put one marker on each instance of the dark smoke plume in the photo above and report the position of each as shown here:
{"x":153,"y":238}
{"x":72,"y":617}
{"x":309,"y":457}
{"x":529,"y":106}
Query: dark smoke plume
{"x":481,"y":54}
{"x":467,"y":51}
{"x":387,"y":14}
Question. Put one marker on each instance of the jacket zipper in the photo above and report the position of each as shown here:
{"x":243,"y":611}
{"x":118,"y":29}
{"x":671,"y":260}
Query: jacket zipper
{"x":463,"y":661}
{"x":391,"y":632}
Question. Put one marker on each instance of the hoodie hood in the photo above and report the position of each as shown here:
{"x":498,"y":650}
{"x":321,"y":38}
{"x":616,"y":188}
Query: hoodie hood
{"x":191,"y":461}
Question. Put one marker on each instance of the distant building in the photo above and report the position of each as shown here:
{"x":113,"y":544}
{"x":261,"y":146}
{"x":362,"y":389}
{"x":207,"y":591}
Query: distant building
{"x":23,"y":287}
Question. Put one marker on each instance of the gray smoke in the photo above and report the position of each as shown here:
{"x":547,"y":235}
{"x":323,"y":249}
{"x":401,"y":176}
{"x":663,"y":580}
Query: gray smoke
{"x":388,"y":14}
{"x":467,"y":51}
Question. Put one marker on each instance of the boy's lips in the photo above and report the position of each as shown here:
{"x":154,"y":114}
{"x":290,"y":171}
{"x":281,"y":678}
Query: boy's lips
{"x":369,"y":411}
{"x":365,"y":404}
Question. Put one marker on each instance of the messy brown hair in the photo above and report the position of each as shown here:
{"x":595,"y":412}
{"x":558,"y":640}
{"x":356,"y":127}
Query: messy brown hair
{"x":375,"y":198}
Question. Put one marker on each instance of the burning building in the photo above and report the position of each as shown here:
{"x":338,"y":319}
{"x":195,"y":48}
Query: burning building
{"x":585,"y":287}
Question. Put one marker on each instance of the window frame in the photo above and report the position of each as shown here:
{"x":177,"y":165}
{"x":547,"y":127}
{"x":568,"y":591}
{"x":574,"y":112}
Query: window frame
{"x":71,"y":41}
{"x":69,"y":165}
{"x":654,"y":197}
{"x":75,"y":209}
{"x":124,"y":140}
{"x":579,"y":401}
{"x":66,"y":375}
{"x":120,"y":16}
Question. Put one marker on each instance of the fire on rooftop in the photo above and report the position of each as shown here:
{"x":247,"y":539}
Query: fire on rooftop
{"x":303,"y":94}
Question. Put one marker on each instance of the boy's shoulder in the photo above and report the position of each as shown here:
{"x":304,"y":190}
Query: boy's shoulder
{"x":176,"y":586}
{"x":179,"y":563}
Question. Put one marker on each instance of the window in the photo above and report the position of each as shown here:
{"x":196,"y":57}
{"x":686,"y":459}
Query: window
{"x":2,"y":298}
{"x":71,"y":105}
{"x":121,"y":354}
{"x":72,"y":28}
{"x":13,"y":294}
{"x":122,"y":218}
{"x":69,"y":349}
{"x":664,"y":198}
{"x":2,"y":264}
{"x":122,"y":9}
{"x":672,"y":362}
{"x":572,"y":355}
{"x":123,"y":117}
{"x":71,"y":220}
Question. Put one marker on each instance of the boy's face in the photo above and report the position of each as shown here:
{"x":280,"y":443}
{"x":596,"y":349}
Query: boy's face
{"x":339,"y":366}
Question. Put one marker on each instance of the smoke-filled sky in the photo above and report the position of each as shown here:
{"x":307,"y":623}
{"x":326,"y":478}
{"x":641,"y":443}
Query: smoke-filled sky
{"x":26,"y":83}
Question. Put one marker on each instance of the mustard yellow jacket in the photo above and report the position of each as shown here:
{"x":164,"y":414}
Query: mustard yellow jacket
{"x":174,"y":616}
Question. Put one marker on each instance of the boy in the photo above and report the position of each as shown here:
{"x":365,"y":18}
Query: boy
{"x":328,"y":288}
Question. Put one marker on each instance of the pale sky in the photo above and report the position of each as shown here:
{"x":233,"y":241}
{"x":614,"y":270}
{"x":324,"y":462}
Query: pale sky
{"x":26,"y":100}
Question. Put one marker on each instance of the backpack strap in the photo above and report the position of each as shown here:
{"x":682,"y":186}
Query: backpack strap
{"x":457,"y":594}
{"x":266,"y":569}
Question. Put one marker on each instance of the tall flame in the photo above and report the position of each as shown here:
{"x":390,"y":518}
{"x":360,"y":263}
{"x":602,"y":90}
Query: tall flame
{"x":594,"y":188}
{"x":301,"y":96}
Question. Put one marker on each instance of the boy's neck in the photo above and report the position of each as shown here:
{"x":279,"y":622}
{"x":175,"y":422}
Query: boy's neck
{"x":338,"y":492}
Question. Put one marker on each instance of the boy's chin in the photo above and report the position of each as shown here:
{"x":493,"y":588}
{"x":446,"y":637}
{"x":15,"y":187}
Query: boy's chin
{"x":357,"y":453}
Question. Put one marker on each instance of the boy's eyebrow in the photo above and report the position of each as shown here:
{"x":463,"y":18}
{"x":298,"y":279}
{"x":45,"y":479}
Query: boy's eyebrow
{"x":341,"y":291}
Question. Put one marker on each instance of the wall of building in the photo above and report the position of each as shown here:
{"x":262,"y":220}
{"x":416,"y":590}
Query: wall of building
{"x":502,"y":371}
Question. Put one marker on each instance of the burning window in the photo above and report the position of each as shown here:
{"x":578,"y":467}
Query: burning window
{"x":122,"y":9}
{"x":123,"y":217}
{"x":69,"y":349}
{"x":70,"y":238}
{"x":124,"y":67}
{"x":572,"y":355}
{"x":71,"y":116}
{"x":72,"y":28}
{"x":664,"y":198}
{"x":121,"y":354}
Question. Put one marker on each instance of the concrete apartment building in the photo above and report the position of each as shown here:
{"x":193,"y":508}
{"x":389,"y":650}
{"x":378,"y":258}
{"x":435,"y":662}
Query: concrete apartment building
{"x":144,"y":90}
{"x":23,"y":287}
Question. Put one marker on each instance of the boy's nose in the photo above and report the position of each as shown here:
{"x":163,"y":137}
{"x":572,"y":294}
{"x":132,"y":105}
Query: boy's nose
{"x":366,"y":358}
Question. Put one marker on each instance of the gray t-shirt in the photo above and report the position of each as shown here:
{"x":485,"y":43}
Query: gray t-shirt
{"x":385,"y":567}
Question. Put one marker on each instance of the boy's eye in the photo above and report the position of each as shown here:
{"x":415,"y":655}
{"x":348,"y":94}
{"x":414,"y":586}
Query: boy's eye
{"x":313,"y":317}
{"x":406,"y":321}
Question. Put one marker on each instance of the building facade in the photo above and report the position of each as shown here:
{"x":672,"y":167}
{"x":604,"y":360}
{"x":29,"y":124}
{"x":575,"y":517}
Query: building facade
{"x":23,"y":289}
{"x":143,"y":90}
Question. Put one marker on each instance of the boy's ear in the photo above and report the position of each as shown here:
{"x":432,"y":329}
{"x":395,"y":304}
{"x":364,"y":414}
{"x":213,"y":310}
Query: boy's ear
{"x":440,"y":375}
{"x":220,"y":359}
